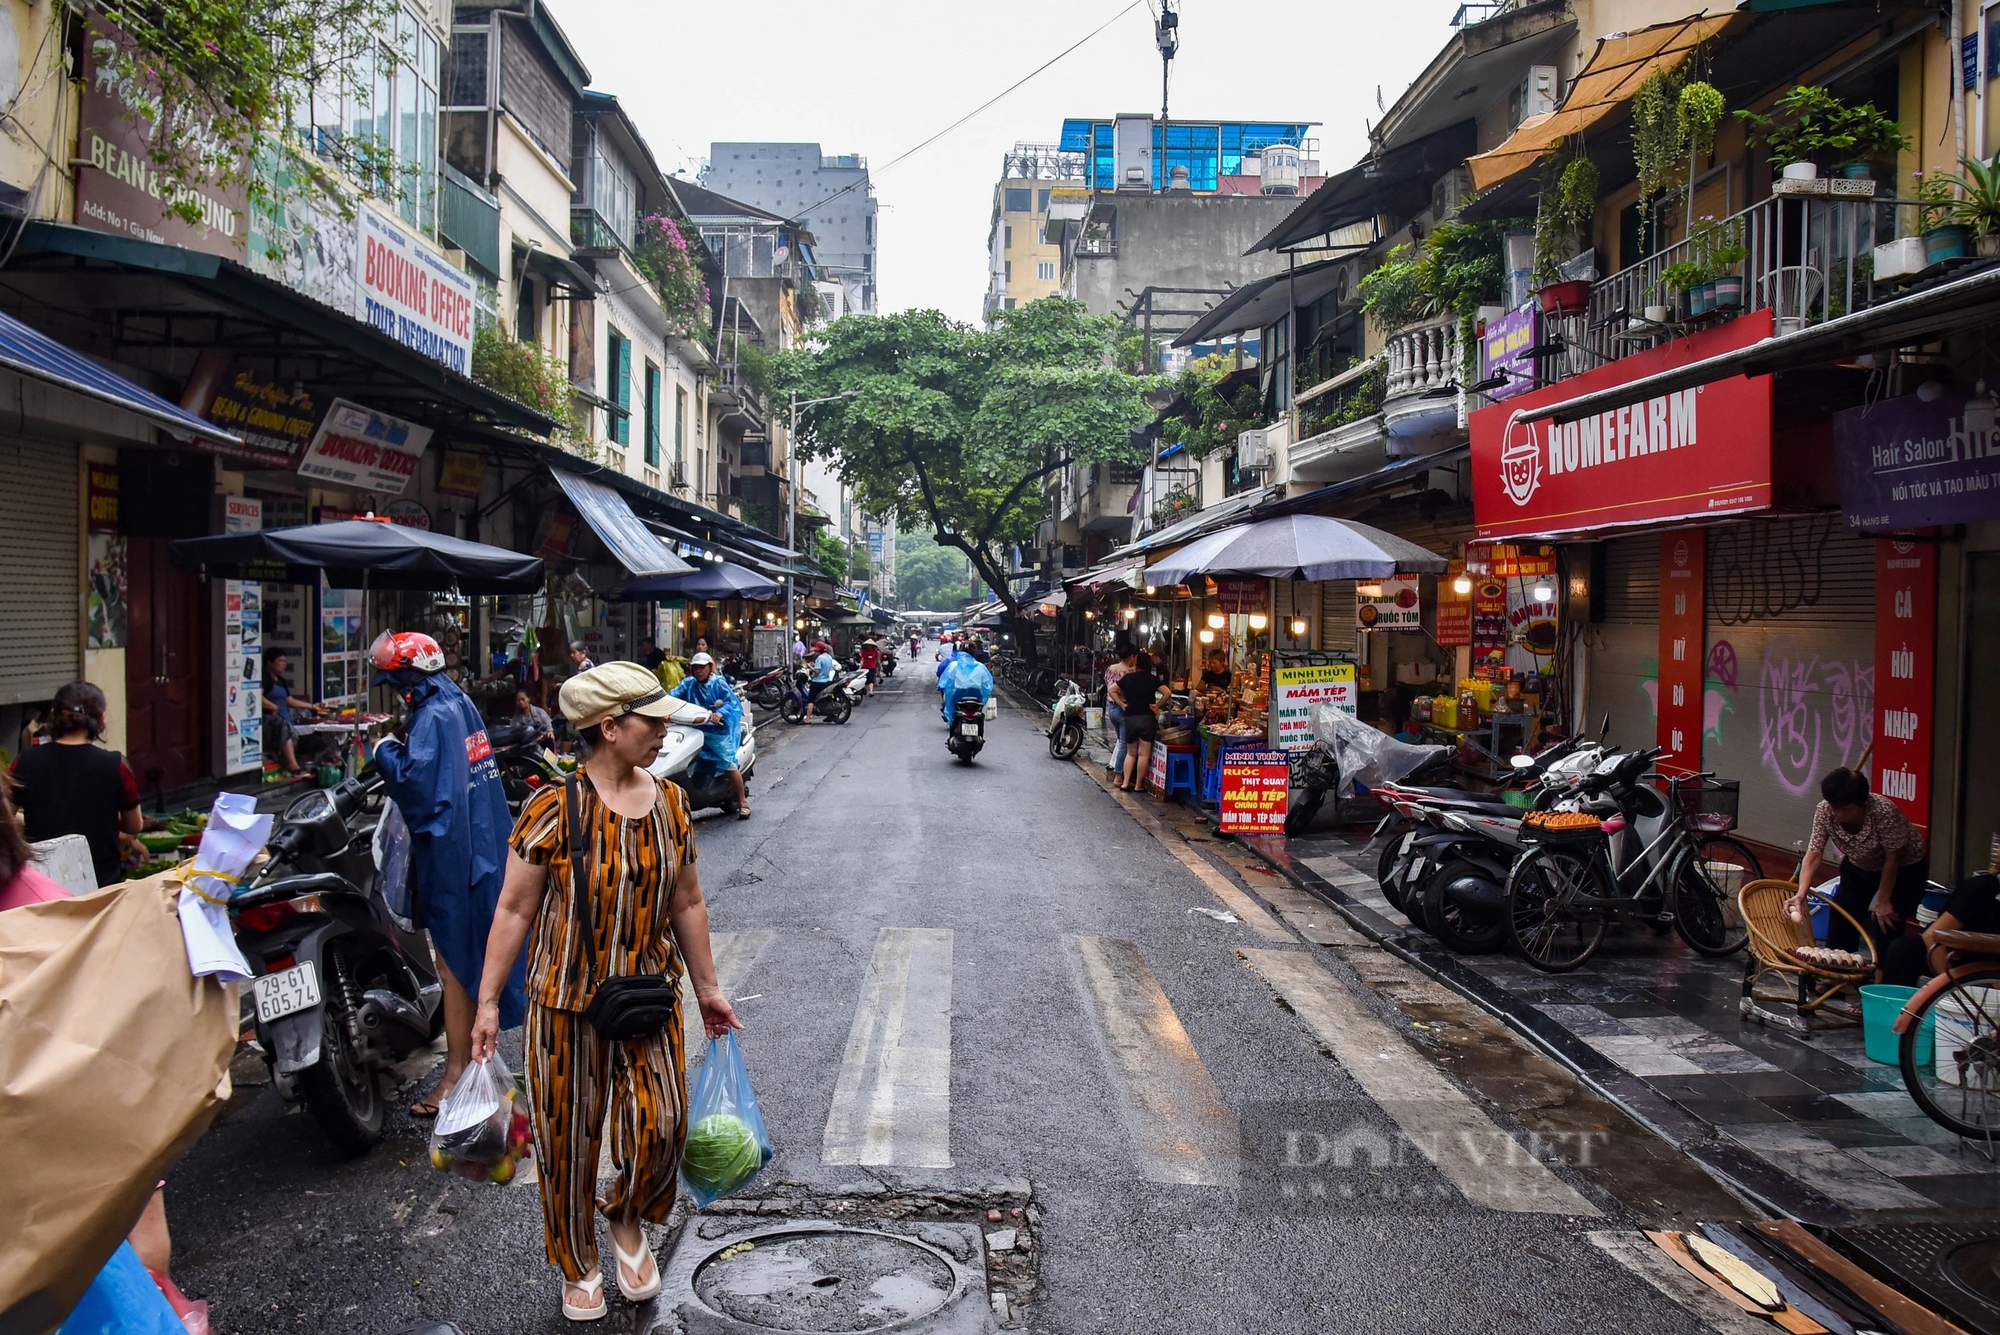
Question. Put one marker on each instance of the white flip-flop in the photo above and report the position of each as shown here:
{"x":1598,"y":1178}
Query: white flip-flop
{"x":594,"y":1286}
{"x":641,"y":1292}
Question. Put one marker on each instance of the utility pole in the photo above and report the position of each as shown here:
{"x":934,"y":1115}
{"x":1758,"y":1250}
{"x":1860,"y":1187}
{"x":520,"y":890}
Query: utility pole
{"x":1167,"y":36}
{"x":792,"y":476}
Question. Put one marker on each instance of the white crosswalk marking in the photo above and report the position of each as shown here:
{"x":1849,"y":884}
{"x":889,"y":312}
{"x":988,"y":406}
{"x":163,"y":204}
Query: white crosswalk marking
{"x":892,"y":1101}
{"x":1184,"y":1132}
{"x":1441,"y":1120}
{"x":735,"y":953}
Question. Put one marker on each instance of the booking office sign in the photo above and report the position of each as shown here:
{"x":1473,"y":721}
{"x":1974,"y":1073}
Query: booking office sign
{"x":1694,"y":453}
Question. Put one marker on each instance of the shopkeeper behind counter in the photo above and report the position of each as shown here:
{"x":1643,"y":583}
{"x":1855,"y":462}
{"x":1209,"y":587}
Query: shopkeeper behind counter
{"x":1215,"y":675}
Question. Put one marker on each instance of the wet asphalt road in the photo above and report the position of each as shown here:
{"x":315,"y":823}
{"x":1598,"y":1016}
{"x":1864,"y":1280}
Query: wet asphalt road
{"x":1105,"y":1043}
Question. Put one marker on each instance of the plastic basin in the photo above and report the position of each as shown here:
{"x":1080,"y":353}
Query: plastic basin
{"x":1881,"y":1003}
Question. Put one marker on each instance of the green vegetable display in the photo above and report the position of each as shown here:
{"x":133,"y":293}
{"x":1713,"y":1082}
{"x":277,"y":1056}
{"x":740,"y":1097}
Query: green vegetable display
{"x":722,"y":1154}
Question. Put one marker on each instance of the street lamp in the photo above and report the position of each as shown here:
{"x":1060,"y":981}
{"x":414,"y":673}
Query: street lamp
{"x":792,"y":492}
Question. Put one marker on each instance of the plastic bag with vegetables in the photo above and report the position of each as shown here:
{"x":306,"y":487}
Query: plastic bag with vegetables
{"x":727,"y":1144}
{"x":481,"y":1131}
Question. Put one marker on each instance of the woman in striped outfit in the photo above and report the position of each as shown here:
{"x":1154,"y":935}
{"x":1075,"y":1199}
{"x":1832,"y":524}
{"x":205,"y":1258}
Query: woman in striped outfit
{"x":638,"y":854}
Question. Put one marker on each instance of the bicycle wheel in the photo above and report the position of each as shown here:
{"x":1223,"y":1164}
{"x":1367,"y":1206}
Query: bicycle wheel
{"x":1959,"y":1087}
{"x":1549,"y":933}
{"x":1704,"y":894}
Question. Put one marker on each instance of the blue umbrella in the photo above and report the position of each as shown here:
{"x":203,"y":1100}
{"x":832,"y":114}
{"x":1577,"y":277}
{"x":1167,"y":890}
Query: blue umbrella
{"x":1297,"y":547}
{"x":725,"y":579}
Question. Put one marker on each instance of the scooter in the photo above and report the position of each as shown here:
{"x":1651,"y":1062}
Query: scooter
{"x":680,"y":756}
{"x":833,"y":704}
{"x":345,"y":988}
{"x":967,"y":734}
{"x":767,"y":690}
{"x":525,"y":764}
{"x":1066,"y":721}
{"x":888,"y":661}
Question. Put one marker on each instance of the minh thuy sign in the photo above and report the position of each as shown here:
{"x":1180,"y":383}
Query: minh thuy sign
{"x":1691,"y":454}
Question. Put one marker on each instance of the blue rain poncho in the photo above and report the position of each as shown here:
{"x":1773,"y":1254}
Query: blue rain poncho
{"x":720,"y":741}
{"x":964,"y":675}
{"x":446,"y":784}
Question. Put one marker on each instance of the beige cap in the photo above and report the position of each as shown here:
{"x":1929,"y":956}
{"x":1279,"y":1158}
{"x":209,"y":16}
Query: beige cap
{"x":611,"y":689}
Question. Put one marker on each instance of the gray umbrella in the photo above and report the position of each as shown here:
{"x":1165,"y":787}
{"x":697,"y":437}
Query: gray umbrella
{"x":1297,"y":547}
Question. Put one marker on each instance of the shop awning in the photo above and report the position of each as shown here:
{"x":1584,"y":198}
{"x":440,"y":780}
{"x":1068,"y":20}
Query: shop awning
{"x":632,"y":544}
{"x":1402,"y":470}
{"x":1395,"y":182}
{"x":32,"y":353}
{"x":1265,"y":301}
{"x":1921,"y":317}
{"x":1606,"y":83}
{"x":561,"y":271}
{"x":1198,"y":523}
{"x":723,"y":579}
{"x":1309,"y":547}
{"x":1099,"y":578}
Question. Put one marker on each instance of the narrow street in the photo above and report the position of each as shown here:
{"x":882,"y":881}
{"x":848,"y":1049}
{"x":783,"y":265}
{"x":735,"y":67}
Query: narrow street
{"x":992,"y":989}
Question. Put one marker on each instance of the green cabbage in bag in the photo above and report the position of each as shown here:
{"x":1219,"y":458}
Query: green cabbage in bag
{"x":727,"y":1143}
{"x":722,"y":1154}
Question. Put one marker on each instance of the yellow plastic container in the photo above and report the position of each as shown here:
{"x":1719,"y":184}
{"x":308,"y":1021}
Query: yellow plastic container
{"x":1444,"y":711}
{"x":1482,"y":694}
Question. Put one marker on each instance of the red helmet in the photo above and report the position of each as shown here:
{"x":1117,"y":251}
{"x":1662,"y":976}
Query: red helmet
{"x":406,"y":649}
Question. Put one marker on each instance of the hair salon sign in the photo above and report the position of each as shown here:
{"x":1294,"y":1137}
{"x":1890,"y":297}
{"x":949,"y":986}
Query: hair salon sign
{"x":1907,"y":464}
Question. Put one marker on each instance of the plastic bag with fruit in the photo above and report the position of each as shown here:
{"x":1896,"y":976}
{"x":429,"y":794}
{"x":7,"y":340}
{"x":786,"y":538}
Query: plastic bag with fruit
{"x":481,"y":1131}
{"x":727,"y":1144}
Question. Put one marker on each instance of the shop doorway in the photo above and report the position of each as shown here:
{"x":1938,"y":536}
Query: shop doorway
{"x":163,"y":686}
{"x":1979,"y":810}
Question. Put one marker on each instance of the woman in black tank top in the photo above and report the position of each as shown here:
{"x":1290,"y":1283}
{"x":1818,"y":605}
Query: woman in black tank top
{"x":71,"y":786}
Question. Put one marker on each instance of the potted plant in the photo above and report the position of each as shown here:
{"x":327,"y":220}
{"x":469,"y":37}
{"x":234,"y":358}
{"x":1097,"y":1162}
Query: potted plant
{"x":1978,"y":204}
{"x":1810,"y":133}
{"x":1683,"y":278}
{"x":1563,"y":217}
{"x":1718,"y":248}
{"x":1944,"y":238}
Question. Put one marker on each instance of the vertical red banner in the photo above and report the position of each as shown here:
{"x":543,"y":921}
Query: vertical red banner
{"x":1905,"y":662}
{"x":1683,"y":647}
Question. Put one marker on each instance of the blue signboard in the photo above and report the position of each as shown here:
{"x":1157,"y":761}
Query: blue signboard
{"x":1907,"y":464}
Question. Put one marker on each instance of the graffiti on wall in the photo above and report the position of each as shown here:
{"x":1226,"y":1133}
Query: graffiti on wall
{"x":1813,"y":713}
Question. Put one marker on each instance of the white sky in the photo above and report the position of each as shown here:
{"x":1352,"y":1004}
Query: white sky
{"x":876,"y":77}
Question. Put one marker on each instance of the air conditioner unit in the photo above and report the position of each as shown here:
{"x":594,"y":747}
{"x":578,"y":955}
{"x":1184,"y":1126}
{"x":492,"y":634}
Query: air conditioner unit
{"x":1253,"y":450}
{"x":677,"y":478}
{"x":1539,"y":91}
{"x":1450,"y":193}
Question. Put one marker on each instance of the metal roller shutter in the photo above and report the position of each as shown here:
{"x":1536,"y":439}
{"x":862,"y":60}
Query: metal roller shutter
{"x":39,"y":595}
{"x":1625,"y":647}
{"x":1336,"y":616}
{"x":1789,"y":691}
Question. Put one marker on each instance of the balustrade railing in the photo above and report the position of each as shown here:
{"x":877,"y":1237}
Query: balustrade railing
{"x":1422,"y":358}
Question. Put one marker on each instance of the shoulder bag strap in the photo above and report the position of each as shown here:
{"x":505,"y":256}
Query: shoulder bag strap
{"x":573,"y":806}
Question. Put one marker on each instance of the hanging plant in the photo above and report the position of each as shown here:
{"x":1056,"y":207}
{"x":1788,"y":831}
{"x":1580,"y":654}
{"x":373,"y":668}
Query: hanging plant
{"x":1699,"y":111}
{"x":1393,"y":293}
{"x":1562,"y":221}
{"x":1657,"y":143}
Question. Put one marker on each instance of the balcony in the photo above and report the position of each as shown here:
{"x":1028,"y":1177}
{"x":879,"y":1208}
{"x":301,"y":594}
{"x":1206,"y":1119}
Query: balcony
{"x":1807,"y":260}
{"x":1106,"y":505}
{"x":590,"y":230}
{"x":1421,"y":384}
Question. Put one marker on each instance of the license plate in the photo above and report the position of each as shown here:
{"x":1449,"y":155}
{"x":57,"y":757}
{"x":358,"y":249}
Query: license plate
{"x":1408,"y":839}
{"x":279,"y":994}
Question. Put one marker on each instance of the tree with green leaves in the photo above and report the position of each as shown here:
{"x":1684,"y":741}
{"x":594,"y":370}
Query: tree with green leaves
{"x":929,"y":578}
{"x":953,"y":428}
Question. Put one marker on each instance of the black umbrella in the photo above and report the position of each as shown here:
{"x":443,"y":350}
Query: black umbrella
{"x":725,"y":579}
{"x":362,"y":554}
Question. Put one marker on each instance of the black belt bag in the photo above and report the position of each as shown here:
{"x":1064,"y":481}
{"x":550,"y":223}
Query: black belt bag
{"x":629,"y":1007}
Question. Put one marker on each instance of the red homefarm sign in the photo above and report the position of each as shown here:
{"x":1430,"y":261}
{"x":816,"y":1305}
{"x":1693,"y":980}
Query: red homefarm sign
{"x":1691,"y":454}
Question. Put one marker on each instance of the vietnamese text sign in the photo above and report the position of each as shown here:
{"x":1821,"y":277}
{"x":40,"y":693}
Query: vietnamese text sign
{"x":1253,"y":792}
{"x":1694,"y":453}
{"x":243,"y":650}
{"x":463,"y":474}
{"x":1510,"y":560}
{"x":119,"y":188}
{"x":359,"y":447}
{"x":1501,"y":349}
{"x":1905,"y":657}
{"x":1909,"y":464}
{"x":1454,"y":609}
{"x":1300,"y":689}
{"x":1489,"y":623}
{"x":274,"y":423}
{"x":1240,"y":596}
{"x":412,"y":295}
{"x":1683,"y":648}
{"x":1399,"y":606}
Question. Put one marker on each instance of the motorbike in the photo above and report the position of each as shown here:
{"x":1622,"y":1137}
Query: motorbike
{"x":679,"y":762}
{"x":833,"y":705}
{"x":1345,"y":751}
{"x":888,"y":661}
{"x":766,"y":689}
{"x":967,"y":734}
{"x":345,"y":988}
{"x":1065,"y":729}
{"x":525,"y":764}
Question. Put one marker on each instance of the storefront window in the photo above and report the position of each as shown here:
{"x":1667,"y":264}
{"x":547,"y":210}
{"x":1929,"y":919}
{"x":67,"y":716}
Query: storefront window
{"x":378,"y":119}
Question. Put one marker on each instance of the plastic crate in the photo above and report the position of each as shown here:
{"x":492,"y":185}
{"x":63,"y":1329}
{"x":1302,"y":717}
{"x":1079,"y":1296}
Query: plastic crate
{"x":1708,"y":805}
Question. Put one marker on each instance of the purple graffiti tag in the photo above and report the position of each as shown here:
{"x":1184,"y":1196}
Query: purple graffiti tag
{"x":1812,"y":715}
{"x":1722,"y":663}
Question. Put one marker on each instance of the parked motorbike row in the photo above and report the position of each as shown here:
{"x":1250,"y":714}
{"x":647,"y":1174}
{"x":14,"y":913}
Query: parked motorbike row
{"x":1585,"y":838}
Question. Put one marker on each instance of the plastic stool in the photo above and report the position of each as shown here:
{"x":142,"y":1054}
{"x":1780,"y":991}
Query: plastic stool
{"x":1182,"y":773}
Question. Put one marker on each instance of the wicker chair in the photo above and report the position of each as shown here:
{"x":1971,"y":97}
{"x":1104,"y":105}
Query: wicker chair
{"x":1773,"y":938}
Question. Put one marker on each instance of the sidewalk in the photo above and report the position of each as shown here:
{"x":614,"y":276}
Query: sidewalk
{"x":1829,"y":1136}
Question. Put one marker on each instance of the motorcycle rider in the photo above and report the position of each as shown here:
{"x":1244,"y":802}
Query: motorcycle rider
{"x":963,"y":675}
{"x":825,"y":667}
{"x":722,"y":732}
{"x":440,"y":773}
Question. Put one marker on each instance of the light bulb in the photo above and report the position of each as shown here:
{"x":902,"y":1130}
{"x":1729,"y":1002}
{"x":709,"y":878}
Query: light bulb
{"x":1258,"y":621}
{"x":725,"y":625}
{"x":1462,"y":585}
{"x":1090,"y":616}
{"x":1207,"y":637}
{"x":1149,"y":589}
{"x":1299,"y":628}
{"x":1216,"y":620}
{"x":1131,"y":612}
{"x":1544,"y":591}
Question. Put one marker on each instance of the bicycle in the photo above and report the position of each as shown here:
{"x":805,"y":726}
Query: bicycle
{"x":1564,"y":893}
{"x":1959,"y":1089}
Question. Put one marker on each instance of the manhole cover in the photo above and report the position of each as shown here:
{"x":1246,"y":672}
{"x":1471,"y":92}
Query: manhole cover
{"x":1976,"y":1268}
{"x":821,"y":1276}
{"x":826,"y":1282}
